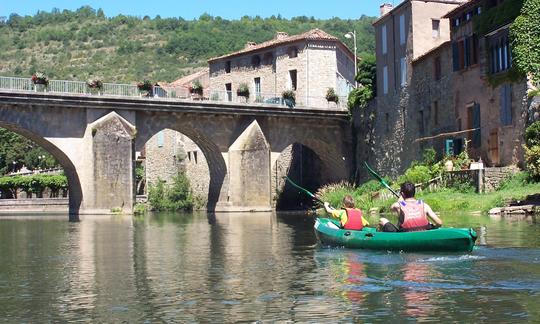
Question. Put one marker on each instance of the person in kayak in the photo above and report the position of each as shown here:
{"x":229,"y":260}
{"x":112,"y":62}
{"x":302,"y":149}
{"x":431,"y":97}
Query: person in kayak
{"x":413,"y":215}
{"x":349,"y":217}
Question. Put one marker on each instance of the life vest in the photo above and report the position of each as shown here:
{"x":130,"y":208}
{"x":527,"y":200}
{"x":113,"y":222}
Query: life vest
{"x":414,"y":216}
{"x":354,"y":219}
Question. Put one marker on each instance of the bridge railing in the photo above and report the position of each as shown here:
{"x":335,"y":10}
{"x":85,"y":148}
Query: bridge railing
{"x":179,"y":93}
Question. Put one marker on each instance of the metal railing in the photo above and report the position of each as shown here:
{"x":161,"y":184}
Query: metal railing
{"x":178,"y":93}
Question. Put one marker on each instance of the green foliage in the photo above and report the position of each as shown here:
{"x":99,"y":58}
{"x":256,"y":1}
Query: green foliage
{"x":532,"y":134}
{"x":34,"y":184}
{"x":18,"y":149}
{"x":525,"y":38}
{"x":122,"y":49}
{"x":416,"y":174}
{"x":290,"y":95}
{"x":139,"y":172}
{"x":139,"y":209}
{"x":177,"y":196}
{"x":243,"y":90}
{"x":532,"y":161}
{"x":366,"y":78}
{"x":197,"y":87}
{"x":331,"y":95}
{"x":497,"y":16}
{"x":429,"y":156}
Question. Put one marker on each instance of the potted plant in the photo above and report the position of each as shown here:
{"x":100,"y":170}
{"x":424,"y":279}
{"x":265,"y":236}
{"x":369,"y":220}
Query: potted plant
{"x":95,"y":86}
{"x":145,"y":88}
{"x":243,"y":91}
{"x":196,"y":88}
{"x":289,"y":97}
{"x":40,"y":81}
{"x":331,"y":95}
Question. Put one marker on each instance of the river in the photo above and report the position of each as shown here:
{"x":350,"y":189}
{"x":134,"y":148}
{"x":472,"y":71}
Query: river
{"x":248,"y":267}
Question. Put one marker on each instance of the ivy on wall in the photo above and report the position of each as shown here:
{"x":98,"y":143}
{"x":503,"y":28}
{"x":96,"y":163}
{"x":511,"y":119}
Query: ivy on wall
{"x":525,"y":40}
{"x":497,"y":16}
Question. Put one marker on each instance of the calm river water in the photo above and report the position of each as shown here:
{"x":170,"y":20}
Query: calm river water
{"x":243,"y":267}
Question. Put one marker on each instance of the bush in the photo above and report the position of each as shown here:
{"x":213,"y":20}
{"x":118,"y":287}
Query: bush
{"x":178,"y":196}
{"x":532,"y":134}
{"x":416,"y":174}
{"x":532,"y":161}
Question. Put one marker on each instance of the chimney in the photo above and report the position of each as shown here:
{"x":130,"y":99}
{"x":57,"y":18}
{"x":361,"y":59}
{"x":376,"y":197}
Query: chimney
{"x":281,"y":35}
{"x":386,"y":8}
{"x":249,"y":45}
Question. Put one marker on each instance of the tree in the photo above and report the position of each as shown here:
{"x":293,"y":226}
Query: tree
{"x":525,"y":38}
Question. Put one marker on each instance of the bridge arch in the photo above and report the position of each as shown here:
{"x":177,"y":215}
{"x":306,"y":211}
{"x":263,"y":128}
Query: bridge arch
{"x":212,"y":155}
{"x":74,"y":185}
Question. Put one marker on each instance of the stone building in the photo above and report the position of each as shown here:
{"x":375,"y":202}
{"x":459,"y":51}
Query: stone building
{"x":308,"y":64}
{"x":413,"y":101}
{"x":489,"y":99}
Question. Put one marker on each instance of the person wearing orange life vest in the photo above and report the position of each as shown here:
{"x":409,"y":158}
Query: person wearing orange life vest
{"x":350,"y":217}
{"x":414,"y":215}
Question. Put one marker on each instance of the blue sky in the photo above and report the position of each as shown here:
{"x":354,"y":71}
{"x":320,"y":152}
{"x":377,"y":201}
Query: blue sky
{"x":229,"y":9}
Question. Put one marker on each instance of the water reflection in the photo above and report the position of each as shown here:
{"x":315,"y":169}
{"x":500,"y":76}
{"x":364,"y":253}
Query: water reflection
{"x":254,"y":267}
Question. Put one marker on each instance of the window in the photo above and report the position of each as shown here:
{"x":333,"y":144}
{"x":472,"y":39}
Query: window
{"x":402,"y":30}
{"x":473,"y":120}
{"x":292,"y":80}
{"x":435,"y":28}
{"x":257,"y":86}
{"x":160,"y":139}
{"x":500,"y":56}
{"x":506,"y":105}
{"x":292,"y":51}
{"x":437,"y":67}
{"x":228,"y":67}
{"x":255,"y":60}
{"x":228,"y":89}
{"x":384,"y":40}
{"x":385,"y":79}
{"x":465,"y":53}
{"x":403,"y":66}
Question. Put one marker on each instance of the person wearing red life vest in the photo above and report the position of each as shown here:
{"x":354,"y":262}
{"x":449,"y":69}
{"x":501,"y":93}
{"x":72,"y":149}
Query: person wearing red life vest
{"x":350,"y":217}
{"x":414,"y":215}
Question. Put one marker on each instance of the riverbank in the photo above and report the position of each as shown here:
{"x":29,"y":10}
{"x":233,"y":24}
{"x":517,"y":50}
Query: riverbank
{"x":511,"y":192}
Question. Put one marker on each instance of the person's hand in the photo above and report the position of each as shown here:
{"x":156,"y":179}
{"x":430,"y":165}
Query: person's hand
{"x":326,"y":205}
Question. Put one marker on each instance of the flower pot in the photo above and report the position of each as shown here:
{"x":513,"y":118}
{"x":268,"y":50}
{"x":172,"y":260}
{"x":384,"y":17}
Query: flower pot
{"x":39,"y":87}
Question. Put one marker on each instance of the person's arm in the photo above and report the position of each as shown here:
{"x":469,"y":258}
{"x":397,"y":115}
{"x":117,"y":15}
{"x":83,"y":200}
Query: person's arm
{"x":329,"y":209}
{"x":431,"y":215}
{"x":395,"y":208}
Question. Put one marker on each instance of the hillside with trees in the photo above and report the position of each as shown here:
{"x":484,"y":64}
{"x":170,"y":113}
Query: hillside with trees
{"x":77,"y":45}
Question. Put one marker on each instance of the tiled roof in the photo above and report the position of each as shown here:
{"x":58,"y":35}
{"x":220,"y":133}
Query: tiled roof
{"x":314,"y":34}
{"x":460,"y":8}
{"x":189,"y":78}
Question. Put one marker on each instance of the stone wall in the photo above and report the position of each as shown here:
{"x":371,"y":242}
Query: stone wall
{"x":196,"y":170}
{"x":164,"y":154}
{"x":493,"y":177}
{"x":40,"y":205}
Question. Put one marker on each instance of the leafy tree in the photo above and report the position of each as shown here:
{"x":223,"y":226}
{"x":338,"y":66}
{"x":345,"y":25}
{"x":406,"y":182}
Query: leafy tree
{"x":525,"y":38}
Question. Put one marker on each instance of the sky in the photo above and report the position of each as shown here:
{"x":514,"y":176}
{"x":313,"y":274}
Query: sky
{"x":228,"y":9}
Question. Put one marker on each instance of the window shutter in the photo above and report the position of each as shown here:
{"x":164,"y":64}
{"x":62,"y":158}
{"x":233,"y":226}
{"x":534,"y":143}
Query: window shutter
{"x":467,"y":51}
{"x":476,"y":139}
{"x":455,"y":56}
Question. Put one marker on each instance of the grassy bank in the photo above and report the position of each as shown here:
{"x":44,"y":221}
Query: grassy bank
{"x":444,"y":200}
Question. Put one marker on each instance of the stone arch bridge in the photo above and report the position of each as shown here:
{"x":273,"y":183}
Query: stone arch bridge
{"x":95,"y":140}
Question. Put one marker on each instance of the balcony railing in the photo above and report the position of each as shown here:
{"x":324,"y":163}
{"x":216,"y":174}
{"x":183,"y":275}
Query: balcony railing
{"x":171,"y":93}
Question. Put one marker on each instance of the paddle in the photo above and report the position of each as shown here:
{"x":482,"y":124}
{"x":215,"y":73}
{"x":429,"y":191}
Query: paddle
{"x":380,"y":179}
{"x":303,"y":189}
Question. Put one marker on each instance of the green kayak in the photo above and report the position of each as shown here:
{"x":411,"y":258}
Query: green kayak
{"x":441,"y":239}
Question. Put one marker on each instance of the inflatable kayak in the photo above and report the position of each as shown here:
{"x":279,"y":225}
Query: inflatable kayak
{"x":441,"y":239}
